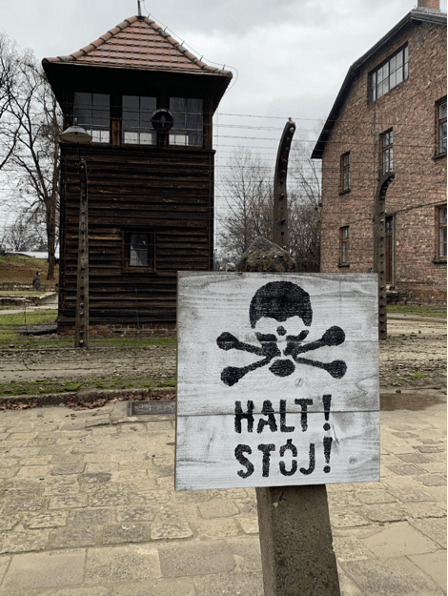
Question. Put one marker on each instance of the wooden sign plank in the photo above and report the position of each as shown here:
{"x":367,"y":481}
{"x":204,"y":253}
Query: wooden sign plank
{"x":278,"y":371}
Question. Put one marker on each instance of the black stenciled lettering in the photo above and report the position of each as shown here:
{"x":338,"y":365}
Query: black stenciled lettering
{"x":289,"y":445}
{"x":327,"y":452}
{"x":239,"y":450}
{"x":312,"y":465}
{"x":240,"y":415}
{"x":304,"y":403}
{"x":326,"y":400}
{"x":283,"y":427}
{"x":268,"y":411}
{"x":266,"y":450}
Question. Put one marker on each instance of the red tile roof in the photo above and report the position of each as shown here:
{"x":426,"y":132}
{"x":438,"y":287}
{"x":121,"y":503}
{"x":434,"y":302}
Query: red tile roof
{"x":138,"y":43}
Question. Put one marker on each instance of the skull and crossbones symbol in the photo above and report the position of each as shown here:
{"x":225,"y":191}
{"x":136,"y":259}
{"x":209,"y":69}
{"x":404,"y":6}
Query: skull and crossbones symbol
{"x":273,"y":304}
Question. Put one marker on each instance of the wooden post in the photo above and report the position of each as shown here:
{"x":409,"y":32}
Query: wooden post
{"x":82,"y":289}
{"x":379,"y":251}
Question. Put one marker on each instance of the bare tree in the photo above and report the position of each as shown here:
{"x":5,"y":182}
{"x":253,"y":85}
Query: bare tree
{"x":36,"y":156}
{"x":248,"y":191}
{"x":248,"y":184}
{"x":23,"y":234}
{"x":9,"y":61}
{"x":305,"y":207}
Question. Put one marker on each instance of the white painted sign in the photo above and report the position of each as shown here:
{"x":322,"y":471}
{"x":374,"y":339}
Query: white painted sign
{"x":277,"y":380}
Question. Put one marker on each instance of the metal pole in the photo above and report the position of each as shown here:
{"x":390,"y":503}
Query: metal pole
{"x":82,"y":289}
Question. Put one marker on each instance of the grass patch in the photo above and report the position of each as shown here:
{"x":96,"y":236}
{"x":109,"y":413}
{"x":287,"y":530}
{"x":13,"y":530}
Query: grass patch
{"x":417,"y":376}
{"x":421,"y":311}
{"x":36,"y":388}
{"x":19,"y":269}
{"x":24,"y":293}
{"x":8,"y":323}
{"x":131,"y":342}
{"x":168,"y":384}
{"x":9,"y":336}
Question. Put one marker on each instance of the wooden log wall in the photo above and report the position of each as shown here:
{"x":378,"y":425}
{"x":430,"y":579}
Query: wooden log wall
{"x":169,"y":191}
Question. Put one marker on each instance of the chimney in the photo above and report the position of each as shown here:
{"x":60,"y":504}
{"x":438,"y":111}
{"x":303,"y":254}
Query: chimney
{"x":432,"y":4}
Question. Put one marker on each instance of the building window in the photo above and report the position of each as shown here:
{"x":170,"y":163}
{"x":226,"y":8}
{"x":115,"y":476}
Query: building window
{"x":139,"y":250}
{"x":137,"y":127}
{"x":92,"y":112}
{"x":387,"y":152}
{"x":344,"y":251}
{"x":188,"y":121}
{"x":345,"y":172}
{"x":390,"y":74}
{"x":441,"y":233}
{"x":441,"y":127}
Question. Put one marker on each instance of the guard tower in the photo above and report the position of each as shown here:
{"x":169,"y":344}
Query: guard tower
{"x":148,"y":104}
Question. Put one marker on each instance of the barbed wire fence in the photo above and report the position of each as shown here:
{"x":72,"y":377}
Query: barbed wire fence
{"x":258,"y":135}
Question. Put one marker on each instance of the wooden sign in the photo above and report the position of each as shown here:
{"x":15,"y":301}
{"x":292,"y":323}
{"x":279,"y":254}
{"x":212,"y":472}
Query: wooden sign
{"x":277,"y":380}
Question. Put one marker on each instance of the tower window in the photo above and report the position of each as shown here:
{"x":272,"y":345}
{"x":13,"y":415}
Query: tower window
{"x":188,"y":121}
{"x":139,"y":250}
{"x":137,"y":127}
{"x":92,"y":112}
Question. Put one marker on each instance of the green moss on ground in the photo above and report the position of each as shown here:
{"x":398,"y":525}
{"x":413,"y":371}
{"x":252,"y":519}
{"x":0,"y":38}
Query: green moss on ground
{"x":41,"y":387}
{"x":421,"y":311}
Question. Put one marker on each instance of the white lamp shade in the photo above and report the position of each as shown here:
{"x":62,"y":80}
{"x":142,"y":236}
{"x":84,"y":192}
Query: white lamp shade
{"x":76,"y":134}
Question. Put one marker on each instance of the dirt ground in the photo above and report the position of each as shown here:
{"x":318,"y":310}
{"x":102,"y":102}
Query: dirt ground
{"x":413,"y":357}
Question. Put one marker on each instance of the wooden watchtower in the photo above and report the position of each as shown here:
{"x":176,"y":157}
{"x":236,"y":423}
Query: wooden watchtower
{"x":148,"y":104}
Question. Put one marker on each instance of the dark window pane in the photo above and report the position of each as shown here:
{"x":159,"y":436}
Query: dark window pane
{"x":92,"y":112}
{"x":139,"y":250}
{"x":442,"y":242}
{"x":442,"y":138}
{"x":137,"y":127}
{"x":148,"y":104}
{"x":130,"y":102}
{"x":188,"y":121}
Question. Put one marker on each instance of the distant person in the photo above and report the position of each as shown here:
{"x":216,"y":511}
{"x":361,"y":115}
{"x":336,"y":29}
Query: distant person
{"x":36,"y":282}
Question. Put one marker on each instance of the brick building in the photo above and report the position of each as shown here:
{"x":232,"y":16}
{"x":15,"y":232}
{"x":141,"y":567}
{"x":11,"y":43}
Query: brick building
{"x":390,"y":117}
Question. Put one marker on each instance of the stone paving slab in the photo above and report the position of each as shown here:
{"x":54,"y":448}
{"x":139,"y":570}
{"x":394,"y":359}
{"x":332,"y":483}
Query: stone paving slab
{"x":88,"y":508}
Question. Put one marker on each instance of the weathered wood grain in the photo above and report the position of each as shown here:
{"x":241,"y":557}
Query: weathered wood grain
{"x":207,"y":451}
{"x":166,"y":190}
{"x":223,"y":371}
{"x":210,"y":304}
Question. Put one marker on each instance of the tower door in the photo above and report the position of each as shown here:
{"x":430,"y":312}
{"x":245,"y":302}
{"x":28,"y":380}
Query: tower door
{"x":389,"y":246}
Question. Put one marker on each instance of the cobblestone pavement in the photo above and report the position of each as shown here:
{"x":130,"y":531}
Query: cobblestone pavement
{"x":88,"y":508}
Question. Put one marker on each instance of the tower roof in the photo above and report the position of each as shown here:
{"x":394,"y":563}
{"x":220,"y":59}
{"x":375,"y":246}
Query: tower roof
{"x":138,"y":43}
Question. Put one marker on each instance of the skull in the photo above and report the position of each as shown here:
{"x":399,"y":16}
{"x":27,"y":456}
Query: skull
{"x":280,"y":313}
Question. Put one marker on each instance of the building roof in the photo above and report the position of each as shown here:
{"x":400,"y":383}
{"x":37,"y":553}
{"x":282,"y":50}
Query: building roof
{"x":414,"y":17}
{"x":138,"y":43}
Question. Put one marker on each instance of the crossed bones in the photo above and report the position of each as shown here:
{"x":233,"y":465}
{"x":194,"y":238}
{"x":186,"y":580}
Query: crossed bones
{"x":269,"y":349}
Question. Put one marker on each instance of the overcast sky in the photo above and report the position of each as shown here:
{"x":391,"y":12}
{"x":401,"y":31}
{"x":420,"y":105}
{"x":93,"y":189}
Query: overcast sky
{"x":289,"y":57}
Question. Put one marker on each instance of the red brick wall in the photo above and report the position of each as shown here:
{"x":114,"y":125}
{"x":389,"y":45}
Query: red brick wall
{"x":420,"y":179}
